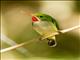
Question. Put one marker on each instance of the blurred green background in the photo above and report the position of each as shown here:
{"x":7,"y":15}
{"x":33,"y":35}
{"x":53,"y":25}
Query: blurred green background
{"x":16,"y":24}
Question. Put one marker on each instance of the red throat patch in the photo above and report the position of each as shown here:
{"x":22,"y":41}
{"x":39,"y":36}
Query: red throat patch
{"x":34,"y":19}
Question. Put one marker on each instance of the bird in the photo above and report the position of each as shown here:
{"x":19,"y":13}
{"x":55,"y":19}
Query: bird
{"x":45,"y":25}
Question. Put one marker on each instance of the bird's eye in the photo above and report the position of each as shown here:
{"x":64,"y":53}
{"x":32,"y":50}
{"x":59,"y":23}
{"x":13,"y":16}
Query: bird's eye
{"x":41,"y":16}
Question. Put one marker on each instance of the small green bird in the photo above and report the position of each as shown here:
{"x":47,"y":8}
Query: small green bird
{"x":45,"y":25}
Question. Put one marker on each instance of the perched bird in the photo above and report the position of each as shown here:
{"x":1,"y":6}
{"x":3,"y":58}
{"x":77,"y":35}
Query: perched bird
{"x":45,"y":25}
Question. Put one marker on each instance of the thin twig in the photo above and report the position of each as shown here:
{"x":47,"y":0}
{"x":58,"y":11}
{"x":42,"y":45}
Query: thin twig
{"x":24,"y":43}
{"x":16,"y":46}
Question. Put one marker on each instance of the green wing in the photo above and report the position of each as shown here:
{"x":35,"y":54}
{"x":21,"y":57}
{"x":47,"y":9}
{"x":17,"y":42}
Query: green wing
{"x":45,"y":17}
